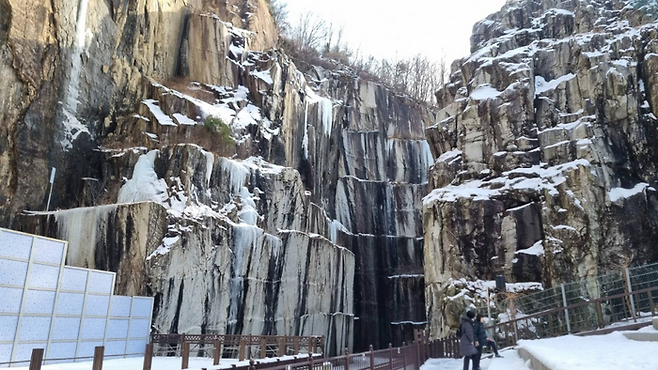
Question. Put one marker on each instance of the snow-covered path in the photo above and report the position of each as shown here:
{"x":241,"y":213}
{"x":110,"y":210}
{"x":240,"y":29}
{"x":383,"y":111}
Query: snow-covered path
{"x":510,"y":361}
{"x":603,"y":352}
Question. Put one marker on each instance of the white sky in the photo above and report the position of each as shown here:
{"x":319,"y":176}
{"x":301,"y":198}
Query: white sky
{"x":384,"y":28}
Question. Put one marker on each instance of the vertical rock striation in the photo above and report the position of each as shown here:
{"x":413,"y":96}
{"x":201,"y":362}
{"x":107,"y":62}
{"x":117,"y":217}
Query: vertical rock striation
{"x":206,"y":169}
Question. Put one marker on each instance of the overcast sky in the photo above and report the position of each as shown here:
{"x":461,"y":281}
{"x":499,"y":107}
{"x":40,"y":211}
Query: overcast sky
{"x":384,"y":28}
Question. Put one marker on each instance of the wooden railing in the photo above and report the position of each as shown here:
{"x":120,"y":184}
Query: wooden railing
{"x":581,"y":317}
{"x":445,"y":348}
{"x":238,"y":346}
{"x":409,"y":357}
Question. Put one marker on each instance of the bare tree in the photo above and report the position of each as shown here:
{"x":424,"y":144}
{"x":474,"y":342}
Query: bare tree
{"x":310,"y":33}
{"x":279,"y":12}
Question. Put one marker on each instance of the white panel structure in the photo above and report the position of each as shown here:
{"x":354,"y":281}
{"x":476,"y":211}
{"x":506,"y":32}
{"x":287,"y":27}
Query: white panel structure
{"x":70,"y":304}
{"x":34,"y":328}
{"x":136,"y":346}
{"x":39,"y":302}
{"x":74,"y":279}
{"x":139,"y":328}
{"x":43,"y":276}
{"x":121,"y":306}
{"x":11,"y":300}
{"x":5,"y":352}
{"x":86,"y":349}
{"x":12,"y":272}
{"x":93,"y":328}
{"x":49,"y":251}
{"x":24,"y":351}
{"x":16,"y":245}
{"x":101,"y":282}
{"x":142,"y":307}
{"x":118,"y":329}
{"x":67,"y":311}
{"x":62,"y":350}
{"x":66,"y":328}
{"x":97,"y":305}
{"x":8,"y":325}
{"x":117,"y":347}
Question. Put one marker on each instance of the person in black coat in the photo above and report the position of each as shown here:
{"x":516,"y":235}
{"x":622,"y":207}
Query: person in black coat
{"x":481,"y":338}
{"x":467,"y":342}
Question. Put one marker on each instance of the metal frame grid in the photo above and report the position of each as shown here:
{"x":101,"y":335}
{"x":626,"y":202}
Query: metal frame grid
{"x":635,"y":278}
{"x":76,"y":310}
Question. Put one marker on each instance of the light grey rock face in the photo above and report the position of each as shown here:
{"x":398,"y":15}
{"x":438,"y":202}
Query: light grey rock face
{"x":546,"y":152}
{"x":300,"y":214}
{"x":217,"y":257}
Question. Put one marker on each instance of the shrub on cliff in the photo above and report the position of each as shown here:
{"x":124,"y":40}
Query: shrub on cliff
{"x":221,"y":129}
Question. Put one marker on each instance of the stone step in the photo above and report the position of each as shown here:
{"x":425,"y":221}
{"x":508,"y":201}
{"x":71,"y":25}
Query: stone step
{"x":534,"y":362}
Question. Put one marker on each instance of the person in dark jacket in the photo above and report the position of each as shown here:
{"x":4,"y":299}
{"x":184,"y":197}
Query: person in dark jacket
{"x":467,"y":342}
{"x":481,"y":338}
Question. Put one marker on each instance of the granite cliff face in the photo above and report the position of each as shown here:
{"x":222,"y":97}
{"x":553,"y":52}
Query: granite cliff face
{"x":546,"y":147}
{"x":202,"y":166}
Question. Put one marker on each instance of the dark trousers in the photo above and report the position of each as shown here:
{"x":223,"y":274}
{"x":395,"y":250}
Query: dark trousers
{"x":467,"y":359}
{"x":477,"y":357}
{"x":493,"y":346}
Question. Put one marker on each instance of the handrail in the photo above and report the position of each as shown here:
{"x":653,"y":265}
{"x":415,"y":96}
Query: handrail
{"x":541,"y":324}
{"x":575,"y":305}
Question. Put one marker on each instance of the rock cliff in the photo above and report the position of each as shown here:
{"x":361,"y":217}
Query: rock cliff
{"x":546,"y":151}
{"x":207,"y":170}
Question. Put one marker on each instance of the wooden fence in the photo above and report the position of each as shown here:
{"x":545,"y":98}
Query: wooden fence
{"x":237,"y":346}
{"x":407,"y":357}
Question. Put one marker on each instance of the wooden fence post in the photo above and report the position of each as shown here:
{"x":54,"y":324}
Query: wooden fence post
{"x":217,"y":352}
{"x":599,"y":314}
{"x":404,"y":356}
{"x":390,"y":356}
{"x":148,"y":357}
{"x":99,"y":352}
{"x":310,"y":361}
{"x":249,"y":346}
{"x":372,"y":358}
{"x":347,"y":359}
{"x":263,"y":347}
{"x":314,"y":345}
{"x":282,"y":346}
{"x":186,"y":356}
{"x":241,"y":350}
{"x":651,"y":304}
{"x":296,"y":346}
{"x":37,"y":359}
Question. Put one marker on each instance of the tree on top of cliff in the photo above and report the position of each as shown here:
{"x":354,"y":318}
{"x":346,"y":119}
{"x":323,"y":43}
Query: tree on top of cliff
{"x":649,"y":7}
{"x":313,"y":41}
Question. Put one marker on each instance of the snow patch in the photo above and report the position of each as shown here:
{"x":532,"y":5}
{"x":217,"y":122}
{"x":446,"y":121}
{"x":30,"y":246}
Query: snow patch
{"x":617,"y":194}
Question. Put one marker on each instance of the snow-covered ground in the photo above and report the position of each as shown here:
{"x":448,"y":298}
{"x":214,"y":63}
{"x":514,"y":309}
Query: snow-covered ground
{"x":602,"y":352}
{"x":159,"y":363}
{"x":510,"y":361}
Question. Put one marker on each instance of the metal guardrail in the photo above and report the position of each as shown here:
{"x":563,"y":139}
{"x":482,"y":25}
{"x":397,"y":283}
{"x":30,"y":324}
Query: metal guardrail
{"x":579,"y":317}
{"x":629,"y":279}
